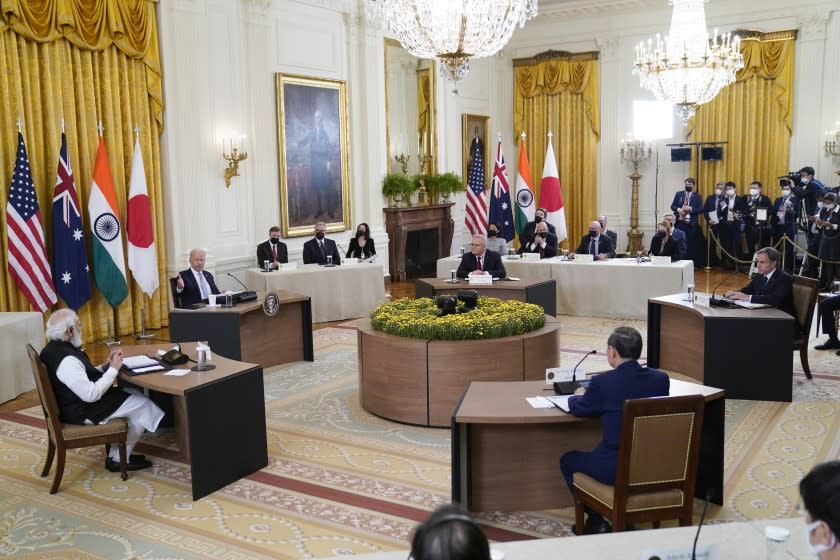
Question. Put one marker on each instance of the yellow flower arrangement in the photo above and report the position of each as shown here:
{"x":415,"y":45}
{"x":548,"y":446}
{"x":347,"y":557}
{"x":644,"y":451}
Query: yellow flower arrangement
{"x":492,"y":318}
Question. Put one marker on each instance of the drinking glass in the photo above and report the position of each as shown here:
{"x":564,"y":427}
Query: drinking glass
{"x":329,"y":260}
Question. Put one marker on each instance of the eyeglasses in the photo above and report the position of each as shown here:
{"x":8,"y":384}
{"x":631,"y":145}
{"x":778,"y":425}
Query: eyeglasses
{"x":476,"y":244}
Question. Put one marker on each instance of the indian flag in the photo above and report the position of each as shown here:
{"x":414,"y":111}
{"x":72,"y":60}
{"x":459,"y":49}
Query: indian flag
{"x":104,"y":212}
{"x":524,"y":189}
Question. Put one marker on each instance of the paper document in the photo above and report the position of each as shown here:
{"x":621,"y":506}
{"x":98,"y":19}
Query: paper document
{"x":177,"y":372}
{"x":539,"y":402}
{"x":749,"y":304}
{"x":136,"y":363}
{"x":561,"y":401}
{"x":148,"y":369}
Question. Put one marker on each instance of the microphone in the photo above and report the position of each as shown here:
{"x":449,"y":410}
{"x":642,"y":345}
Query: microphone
{"x":343,"y":252}
{"x":244,"y":296}
{"x":712,"y":299}
{"x":238,"y":281}
{"x":699,"y":525}
{"x":574,"y":371}
{"x":568,"y":387}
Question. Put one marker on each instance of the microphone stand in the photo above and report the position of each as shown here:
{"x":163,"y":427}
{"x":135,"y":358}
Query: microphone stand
{"x":143,"y":334}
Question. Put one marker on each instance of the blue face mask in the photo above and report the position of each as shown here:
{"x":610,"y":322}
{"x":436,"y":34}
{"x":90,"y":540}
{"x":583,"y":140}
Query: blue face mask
{"x":816,"y":549}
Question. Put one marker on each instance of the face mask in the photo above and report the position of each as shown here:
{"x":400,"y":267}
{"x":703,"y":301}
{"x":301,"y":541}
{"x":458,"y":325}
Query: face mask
{"x":360,"y":232}
{"x":817,"y":548}
{"x":538,"y":219}
{"x":319,"y":234}
{"x":718,"y":192}
{"x":689,"y":189}
{"x":786,"y":192}
{"x":753,"y":192}
{"x":730,"y":193}
{"x":805,"y":180}
{"x":593,"y":233}
{"x":660,"y":233}
{"x":820,"y":205}
{"x":493,"y":233}
{"x":274,"y":241}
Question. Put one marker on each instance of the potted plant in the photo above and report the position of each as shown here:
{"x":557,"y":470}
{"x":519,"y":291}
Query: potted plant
{"x":399,"y":187}
{"x":447,"y":184}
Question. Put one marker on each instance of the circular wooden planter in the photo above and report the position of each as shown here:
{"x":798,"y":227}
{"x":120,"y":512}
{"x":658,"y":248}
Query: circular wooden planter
{"x":421,"y":381}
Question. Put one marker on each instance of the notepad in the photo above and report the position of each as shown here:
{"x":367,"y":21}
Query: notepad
{"x":560,"y":400}
{"x":137,"y":363}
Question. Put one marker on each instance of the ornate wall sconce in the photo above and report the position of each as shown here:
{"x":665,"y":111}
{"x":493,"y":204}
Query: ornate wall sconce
{"x":832,"y":142}
{"x":233,"y":157}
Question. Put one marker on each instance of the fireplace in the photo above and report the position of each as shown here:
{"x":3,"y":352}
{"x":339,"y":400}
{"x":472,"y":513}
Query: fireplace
{"x":431,"y":229}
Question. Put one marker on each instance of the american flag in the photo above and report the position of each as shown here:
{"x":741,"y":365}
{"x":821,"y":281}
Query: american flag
{"x":476,"y":214}
{"x":27,"y":255}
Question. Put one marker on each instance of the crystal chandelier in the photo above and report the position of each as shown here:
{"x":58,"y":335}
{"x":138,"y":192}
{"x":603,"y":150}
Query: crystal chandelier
{"x":451,"y":31}
{"x":687,"y":68}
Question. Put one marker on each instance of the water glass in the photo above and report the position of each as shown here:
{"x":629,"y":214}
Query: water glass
{"x":329,"y":260}
{"x":452,"y":276}
{"x":266,"y":265}
{"x":462,"y":251}
{"x":691,"y":292}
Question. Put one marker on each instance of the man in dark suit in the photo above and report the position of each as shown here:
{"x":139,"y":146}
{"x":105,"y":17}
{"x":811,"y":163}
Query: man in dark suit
{"x":543,"y":243}
{"x":317,"y":250}
{"x":710,"y":211}
{"x":828,"y":222}
{"x":731,"y":209}
{"x":195,"y":283}
{"x":274,"y":251}
{"x":481,"y":261}
{"x":602,"y":219}
{"x":785,"y":215}
{"x":827,"y":308}
{"x":758,"y":207}
{"x":600,"y":246}
{"x":688,"y":205}
{"x":770,"y":285}
{"x":678,"y":235}
{"x":527,"y":234}
{"x":605,"y":398}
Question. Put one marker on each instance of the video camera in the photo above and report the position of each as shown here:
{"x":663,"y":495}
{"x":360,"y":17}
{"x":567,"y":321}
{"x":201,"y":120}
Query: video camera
{"x":792,"y":176}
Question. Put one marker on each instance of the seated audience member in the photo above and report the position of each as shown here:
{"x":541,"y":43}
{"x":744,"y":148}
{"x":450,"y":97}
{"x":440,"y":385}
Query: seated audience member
{"x":771,"y":285}
{"x":361,"y":245}
{"x":678,"y":235}
{"x":605,"y":398}
{"x":827,"y":308}
{"x":86,"y":394}
{"x":543,"y":243}
{"x":600,"y":246}
{"x":528,"y":231}
{"x":662,"y":243}
{"x":820,"y":491}
{"x":494,"y":242}
{"x":481,"y":261}
{"x":450,"y":533}
{"x":602,"y":219}
{"x":274,"y":251}
{"x":317,"y":249}
{"x":195,"y":283}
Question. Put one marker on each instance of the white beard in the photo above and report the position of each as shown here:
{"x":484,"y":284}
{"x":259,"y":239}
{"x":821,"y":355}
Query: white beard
{"x":77,"y":339}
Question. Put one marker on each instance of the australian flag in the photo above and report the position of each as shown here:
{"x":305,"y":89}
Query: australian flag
{"x":501,"y":211}
{"x":70,"y":264}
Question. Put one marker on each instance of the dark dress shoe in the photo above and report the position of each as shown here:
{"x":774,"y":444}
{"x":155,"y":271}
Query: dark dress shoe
{"x":133,"y":464}
{"x":829,"y":344}
{"x":596,"y":525}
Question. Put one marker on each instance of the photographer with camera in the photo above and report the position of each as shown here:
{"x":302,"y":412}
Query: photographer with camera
{"x":808,"y":190}
{"x":757,"y":218}
{"x":828,"y":222}
{"x":786,"y":210}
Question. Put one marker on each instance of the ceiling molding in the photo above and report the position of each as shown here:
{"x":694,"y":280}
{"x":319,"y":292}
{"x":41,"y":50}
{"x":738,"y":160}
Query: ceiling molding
{"x":571,"y":8}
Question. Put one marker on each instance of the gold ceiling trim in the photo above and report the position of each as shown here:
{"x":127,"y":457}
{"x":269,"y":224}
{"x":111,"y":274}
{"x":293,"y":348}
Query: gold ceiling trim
{"x":555,"y":55}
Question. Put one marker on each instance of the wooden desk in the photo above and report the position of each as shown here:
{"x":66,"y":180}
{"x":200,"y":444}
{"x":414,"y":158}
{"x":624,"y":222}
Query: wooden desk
{"x":219,"y":416}
{"x":746,"y":352}
{"x":506,"y":455}
{"x":244,"y":332}
{"x":539,"y":292}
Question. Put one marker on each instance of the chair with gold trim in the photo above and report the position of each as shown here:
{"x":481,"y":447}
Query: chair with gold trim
{"x":805,"y":293}
{"x":657,"y":465}
{"x":72,"y":436}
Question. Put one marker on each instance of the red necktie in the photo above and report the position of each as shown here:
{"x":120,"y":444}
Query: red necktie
{"x":478,"y":263}
{"x":274,"y":251}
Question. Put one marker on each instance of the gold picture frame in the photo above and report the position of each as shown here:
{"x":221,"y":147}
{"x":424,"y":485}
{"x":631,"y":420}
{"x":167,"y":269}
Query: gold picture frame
{"x":314,"y":158}
{"x":472,"y":126}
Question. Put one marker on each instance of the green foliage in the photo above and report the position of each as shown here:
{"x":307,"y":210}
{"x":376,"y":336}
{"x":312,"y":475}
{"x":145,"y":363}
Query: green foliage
{"x":397,"y":183}
{"x":449,"y":183}
{"x":492,"y":318}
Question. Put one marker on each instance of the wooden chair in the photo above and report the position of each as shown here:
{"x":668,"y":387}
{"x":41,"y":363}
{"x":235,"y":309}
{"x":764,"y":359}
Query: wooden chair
{"x":804,"y":301}
{"x":173,"y":289}
{"x":657,"y":465}
{"x":71,"y":436}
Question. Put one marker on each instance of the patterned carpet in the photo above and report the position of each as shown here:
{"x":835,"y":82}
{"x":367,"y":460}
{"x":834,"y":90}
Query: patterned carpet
{"x":341,"y":481}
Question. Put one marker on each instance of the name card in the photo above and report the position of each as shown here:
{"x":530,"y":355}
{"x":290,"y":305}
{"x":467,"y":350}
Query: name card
{"x":480,"y":280}
{"x":349,"y":262}
{"x":704,"y":552}
{"x":288,"y":266}
{"x":563,"y":374}
{"x":702,"y":300}
{"x":659,"y":259}
{"x":587,"y":258}
{"x":531,"y":256}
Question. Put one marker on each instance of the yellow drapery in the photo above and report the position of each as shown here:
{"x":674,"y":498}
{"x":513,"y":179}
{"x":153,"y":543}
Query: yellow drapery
{"x":754,"y":115}
{"x":558,"y":92}
{"x":84,"y":61}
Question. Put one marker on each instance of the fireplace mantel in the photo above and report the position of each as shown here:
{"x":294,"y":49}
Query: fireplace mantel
{"x":400,"y":221}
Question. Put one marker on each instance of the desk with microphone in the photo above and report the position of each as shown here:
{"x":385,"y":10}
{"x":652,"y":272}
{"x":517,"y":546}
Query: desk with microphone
{"x":723,"y":302}
{"x":569,"y":387}
{"x":243,"y":296}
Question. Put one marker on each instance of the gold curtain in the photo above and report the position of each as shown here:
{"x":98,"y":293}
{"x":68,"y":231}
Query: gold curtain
{"x":558,"y":92}
{"x":754,"y":115}
{"x":84,"y":62}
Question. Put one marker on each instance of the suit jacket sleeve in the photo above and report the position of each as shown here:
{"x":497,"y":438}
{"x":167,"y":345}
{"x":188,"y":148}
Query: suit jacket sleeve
{"x":354,"y":244}
{"x":495,"y":266}
{"x":467,"y":265}
{"x":263,"y":254}
{"x":210,"y":282}
{"x":583,"y":247}
{"x":282,"y":253}
{"x":336,"y":257}
{"x":308,"y":257}
{"x":607,"y":248}
{"x":591,"y":403}
{"x":676,"y":203}
{"x":370,"y":244}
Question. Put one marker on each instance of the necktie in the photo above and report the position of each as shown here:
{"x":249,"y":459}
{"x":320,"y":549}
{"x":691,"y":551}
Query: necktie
{"x":542,"y":251}
{"x":202,"y":285}
{"x":323,"y":250}
{"x":686,"y":199}
{"x":274,"y":251}
{"x":593,"y":247}
{"x":762,"y":284}
{"x":478,"y":263}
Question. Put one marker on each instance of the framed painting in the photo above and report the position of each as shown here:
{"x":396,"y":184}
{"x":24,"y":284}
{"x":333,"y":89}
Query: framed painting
{"x":475,"y":128}
{"x":314,"y":158}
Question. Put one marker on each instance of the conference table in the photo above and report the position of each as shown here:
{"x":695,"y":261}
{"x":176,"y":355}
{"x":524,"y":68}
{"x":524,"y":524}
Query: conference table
{"x":617,"y":288}
{"x":506,"y":454}
{"x":538,"y":292}
{"x":219,"y":416}
{"x":246,"y":332}
{"x":337,"y":293}
{"x":743,"y":540}
{"x":17,"y":329}
{"x":746,"y":352}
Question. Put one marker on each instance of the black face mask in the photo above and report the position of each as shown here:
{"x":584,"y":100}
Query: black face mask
{"x":538,"y":219}
{"x":660,"y":234}
{"x":360,"y":233}
{"x":492,"y":233}
{"x":274,"y":241}
{"x":593,"y":233}
{"x":689,"y":189}
{"x":319,"y":234}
